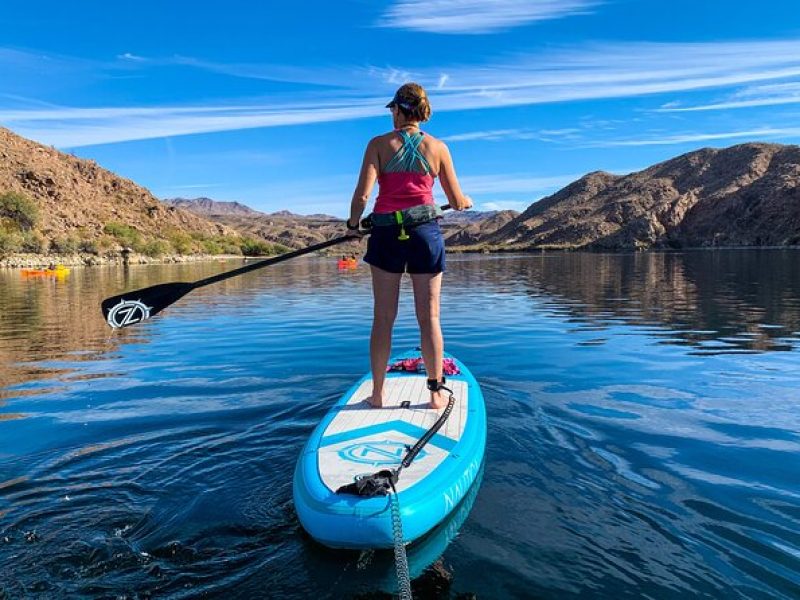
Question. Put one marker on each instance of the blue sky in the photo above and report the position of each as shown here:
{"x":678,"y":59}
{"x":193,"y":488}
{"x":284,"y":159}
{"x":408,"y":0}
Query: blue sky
{"x":271,"y":104}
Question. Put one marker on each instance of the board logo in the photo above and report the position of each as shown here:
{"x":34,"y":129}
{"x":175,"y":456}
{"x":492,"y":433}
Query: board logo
{"x":128,"y":312}
{"x":377,"y":453}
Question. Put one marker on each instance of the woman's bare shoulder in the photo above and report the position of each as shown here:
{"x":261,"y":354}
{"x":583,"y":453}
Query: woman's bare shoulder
{"x":435,"y":143}
{"x":383,"y":137}
{"x":435,"y":147}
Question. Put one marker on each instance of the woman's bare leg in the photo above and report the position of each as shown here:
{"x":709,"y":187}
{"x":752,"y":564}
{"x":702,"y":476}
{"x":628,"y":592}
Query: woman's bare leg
{"x":385,"y":291}
{"x":427,"y":288}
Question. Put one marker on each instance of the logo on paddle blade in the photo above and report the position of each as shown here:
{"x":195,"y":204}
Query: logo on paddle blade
{"x":376,"y":453}
{"x":128,"y":312}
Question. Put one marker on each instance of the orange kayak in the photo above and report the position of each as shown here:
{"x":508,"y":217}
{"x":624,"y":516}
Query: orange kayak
{"x":57,"y":272}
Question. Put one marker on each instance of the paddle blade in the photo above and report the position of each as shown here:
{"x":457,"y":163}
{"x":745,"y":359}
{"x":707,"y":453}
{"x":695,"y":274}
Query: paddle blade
{"x":134,"y":307}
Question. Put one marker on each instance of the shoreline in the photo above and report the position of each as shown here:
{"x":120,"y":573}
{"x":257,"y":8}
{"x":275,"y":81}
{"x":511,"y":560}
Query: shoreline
{"x":28,"y":261}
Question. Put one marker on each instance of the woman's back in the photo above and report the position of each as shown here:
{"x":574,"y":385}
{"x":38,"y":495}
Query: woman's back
{"x":389,"y":144}
{"x":406,"y":169}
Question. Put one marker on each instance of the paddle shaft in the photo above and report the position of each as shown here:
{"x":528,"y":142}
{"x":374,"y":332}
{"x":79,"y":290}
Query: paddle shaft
{"x":281,"y":258}
{"x":136,"y":306}
{"x":272,"y":261}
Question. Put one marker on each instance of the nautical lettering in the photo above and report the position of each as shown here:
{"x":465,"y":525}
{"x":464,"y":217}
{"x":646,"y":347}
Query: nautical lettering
{"x":455,"y":492}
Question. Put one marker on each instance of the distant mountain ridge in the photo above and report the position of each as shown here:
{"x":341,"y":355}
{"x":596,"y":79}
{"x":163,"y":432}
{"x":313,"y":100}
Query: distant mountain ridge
{"x":296,"y":231}
{"x":207,"y":207}
{"x":218,"y":208}
{"x":745,"y":195}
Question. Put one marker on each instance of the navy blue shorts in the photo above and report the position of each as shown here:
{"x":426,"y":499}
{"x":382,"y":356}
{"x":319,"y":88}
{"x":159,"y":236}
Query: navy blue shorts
{"x":423,"y":252}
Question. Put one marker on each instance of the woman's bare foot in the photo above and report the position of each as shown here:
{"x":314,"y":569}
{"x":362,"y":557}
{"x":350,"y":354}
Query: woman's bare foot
{"x":376,"y":400}
{"x":438,"y":400}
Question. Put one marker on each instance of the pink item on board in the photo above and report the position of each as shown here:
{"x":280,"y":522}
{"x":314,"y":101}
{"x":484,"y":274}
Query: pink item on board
{"x":416,"y":365}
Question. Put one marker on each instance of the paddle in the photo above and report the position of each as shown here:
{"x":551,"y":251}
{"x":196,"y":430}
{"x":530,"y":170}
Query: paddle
{"x":137,"y":306}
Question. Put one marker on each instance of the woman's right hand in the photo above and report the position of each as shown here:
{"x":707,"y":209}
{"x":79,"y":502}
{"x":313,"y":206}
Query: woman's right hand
{"x":359,"y":230}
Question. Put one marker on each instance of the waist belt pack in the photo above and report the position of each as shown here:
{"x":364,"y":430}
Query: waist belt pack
{"x":416,"y":215}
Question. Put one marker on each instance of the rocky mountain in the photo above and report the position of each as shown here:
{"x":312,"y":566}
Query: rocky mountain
{"x":52,"y":200}
{"x":467,"y":228}
{"x":297,"y":231}
{"x":282,"y":227}
{"x":209,"y":207}
{"x":745,"y":195}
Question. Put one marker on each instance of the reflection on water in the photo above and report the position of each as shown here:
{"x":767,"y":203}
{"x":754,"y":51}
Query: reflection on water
{"x":711,"y":301}
{"x":644,"y":434}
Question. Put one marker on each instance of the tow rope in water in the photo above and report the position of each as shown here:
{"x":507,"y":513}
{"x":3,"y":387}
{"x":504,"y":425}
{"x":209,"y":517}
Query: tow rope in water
{"x":383,"y":482}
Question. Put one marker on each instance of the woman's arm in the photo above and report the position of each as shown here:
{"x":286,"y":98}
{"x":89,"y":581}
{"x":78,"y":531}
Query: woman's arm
{"x":447,"y":175}
{"x":366,"y":181}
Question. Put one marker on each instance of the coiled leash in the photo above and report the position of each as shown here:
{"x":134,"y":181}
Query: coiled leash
{"x":384,"y":481}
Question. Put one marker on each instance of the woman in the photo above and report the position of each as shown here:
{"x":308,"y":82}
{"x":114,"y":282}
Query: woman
{"x":405,"y":234}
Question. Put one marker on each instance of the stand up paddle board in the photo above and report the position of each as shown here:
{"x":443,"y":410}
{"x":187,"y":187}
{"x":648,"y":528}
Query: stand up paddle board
{"x":355,"y":440}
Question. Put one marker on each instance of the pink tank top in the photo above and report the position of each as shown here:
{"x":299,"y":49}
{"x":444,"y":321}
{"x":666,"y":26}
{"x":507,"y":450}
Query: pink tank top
{"x":406,"y":179}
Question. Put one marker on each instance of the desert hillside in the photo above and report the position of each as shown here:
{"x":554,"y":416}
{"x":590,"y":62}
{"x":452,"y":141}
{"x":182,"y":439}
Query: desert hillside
{"x":52,"y":201}
{"x":745,"y":195}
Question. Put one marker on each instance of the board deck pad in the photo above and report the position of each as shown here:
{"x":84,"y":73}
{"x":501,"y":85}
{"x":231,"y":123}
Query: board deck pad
{"x":361,"y":439}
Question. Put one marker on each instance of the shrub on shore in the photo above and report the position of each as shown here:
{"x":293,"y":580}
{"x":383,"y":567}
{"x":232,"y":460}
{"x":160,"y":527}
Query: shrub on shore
{"x":182,"y":242}
{"x":16,"y":238}
{"x":19,"y":209}
{"x":65,"y":245}
{"x":124,"y":234}
{"x":33,"y":242}
{"x":10,"y":242}
{"x":254,"y":247}
{"x":156,"y":248}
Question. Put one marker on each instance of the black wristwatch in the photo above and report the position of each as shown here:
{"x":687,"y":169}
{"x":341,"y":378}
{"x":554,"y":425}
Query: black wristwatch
{"x":350,"y":227}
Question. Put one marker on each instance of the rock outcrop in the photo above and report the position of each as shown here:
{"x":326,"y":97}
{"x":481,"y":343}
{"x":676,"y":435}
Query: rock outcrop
{"x":745,"y":195}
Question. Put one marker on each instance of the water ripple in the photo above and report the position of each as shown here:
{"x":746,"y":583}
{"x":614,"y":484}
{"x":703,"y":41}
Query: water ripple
{"x":644,"y":437}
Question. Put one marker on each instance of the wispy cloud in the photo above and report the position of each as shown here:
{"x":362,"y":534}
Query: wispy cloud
{"x":74,"y":127}
{"x":750,"y":134}
{"x":130,"y":56}
{"x":491,"y":135}
{"x":752,"y":96}
{"x":478,"y":16}
{"x":496,"y":135}
{"x":588,"y":73}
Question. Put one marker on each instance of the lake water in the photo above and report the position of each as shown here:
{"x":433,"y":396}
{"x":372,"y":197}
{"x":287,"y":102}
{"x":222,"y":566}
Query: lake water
{"x":644,"y":430}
